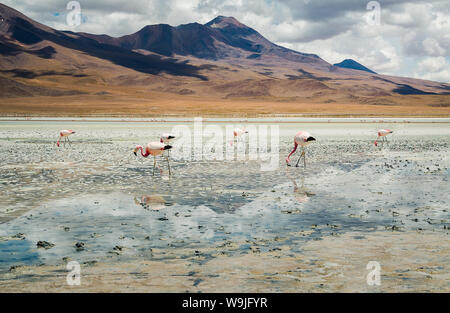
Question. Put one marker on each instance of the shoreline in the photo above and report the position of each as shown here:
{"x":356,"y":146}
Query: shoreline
{"x":226,"y":119}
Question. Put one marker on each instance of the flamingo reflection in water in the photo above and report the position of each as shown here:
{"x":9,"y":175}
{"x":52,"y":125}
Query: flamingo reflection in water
{"x":301,"y":194}
{"x":151,"y":202}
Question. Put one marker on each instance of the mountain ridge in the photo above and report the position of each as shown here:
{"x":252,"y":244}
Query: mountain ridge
{"x":204,"y":41}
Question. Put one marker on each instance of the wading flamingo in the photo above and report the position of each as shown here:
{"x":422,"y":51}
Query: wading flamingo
{"x":167,"y":138}
{"x":154,"y":148}
{"x":302,"y":138}
{"x":65,"y":133}
{"x":237,"y":132}
{"x":383,"y":133}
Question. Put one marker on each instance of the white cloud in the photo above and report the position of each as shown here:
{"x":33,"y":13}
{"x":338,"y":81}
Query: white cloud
{"x":434,"y":68}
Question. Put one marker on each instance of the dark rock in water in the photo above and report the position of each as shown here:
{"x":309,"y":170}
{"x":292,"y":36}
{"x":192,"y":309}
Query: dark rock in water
{"x":79,"y":246}
{"x":393,"y":228}
{"x":44,"y":244}
{"x":197,"y":281}
{"x":118,"y":248}
{"x":15,"y":267}
{"x":19,"y":236}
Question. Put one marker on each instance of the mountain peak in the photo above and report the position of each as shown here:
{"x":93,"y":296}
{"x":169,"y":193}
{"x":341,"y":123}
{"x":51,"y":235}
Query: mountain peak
{"x":225,"y":21}
{"x":352,"y":64}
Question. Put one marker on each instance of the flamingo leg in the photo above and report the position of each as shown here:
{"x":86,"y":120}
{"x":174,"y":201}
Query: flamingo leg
{"x":154,"y":165}
{"x":296,"y":164}
{"x":69,"y":141}
{"x":301,"y":155}
{"x":304,"y":159}
{"x":168,"y":164}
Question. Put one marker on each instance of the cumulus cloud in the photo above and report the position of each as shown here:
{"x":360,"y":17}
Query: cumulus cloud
{"x":433,"y":68}
{"x":412,"y":38}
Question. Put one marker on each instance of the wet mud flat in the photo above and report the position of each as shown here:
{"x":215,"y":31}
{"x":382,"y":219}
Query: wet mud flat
{"x":409,"y":262}
{"x":222,"y":225}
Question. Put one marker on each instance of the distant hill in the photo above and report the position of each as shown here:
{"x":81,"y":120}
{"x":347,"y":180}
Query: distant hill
{"x":352,"y":64}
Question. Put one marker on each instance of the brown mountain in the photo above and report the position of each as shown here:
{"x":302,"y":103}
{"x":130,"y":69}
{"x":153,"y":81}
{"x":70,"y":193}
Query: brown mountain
{"x":222,"y":67}
{"x":221,"y":38}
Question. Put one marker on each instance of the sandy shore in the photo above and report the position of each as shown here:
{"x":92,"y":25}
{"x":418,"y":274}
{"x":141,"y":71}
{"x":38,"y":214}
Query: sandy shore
{"x":410,"y":262}
{"x":138,"y":106}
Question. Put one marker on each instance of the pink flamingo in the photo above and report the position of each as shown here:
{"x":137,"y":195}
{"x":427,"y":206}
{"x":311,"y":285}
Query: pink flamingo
{"x":154,"y":148}
{"x":383,"y":133}
{"x":237,"y":132}
{"x":167,"y":138}
{"x":302,"y":138}
{"x":65,"y":133}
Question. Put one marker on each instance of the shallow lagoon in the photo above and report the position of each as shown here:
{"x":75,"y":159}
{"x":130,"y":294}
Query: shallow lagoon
{"x":98,"y":193}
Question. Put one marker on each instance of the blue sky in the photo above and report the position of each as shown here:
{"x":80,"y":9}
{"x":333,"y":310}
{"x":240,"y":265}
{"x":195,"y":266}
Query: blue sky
{"x":412,"y":38}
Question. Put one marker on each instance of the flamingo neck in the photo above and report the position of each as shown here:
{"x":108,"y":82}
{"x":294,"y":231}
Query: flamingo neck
{"x":376,"y":141}
{"x":293,"y":150}
{"x":146,"y":154}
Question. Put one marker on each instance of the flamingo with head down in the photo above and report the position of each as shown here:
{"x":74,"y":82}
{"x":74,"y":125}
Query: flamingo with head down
{"x":302,"y":138}
{"x":238,"y":132}
{"x":154,"y":148}
{"x":65,"y":133}
{"x":383,"y":133}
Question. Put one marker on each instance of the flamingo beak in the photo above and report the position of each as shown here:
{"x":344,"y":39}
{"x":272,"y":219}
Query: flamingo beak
{"x":134,"y":151}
